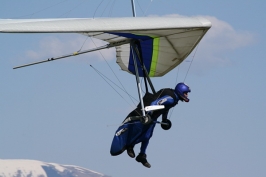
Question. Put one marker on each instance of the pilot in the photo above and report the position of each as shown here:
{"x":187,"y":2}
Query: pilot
{"x":132,"y":132}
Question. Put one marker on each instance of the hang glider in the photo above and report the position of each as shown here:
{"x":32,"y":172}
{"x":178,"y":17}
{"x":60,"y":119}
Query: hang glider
{"x":162,"y":42}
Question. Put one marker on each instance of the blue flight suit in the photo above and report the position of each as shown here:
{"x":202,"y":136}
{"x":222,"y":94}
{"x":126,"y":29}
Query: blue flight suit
{"x":134,"y":132}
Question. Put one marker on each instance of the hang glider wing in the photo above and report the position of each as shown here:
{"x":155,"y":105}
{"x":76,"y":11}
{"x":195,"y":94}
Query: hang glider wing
{"x":163,"y":42}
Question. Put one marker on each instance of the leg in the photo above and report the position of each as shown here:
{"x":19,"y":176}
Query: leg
{"x":144,"y":146}
{"x":122,"y":136}
{"x":130,"y":151}
{"x":142,"y":157}
{"x":119,"y":142}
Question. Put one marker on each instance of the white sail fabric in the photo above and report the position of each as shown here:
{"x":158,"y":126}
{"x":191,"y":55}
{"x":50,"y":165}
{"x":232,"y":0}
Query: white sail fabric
{"x":164,"y":42}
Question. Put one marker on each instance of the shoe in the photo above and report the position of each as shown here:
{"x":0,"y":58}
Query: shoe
{"x":130,"y":152}
{"x":142,"y":158}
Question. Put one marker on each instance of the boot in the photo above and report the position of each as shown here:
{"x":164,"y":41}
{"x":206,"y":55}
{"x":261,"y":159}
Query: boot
{"x":142,"y":158}
{"x":130,"y":152}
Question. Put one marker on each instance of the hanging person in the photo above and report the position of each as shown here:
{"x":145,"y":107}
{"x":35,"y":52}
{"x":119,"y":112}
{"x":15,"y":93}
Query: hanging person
{"x":134,"y":131}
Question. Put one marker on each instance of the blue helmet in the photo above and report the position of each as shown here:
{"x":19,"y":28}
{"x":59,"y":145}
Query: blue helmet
{"x":181,"y":90}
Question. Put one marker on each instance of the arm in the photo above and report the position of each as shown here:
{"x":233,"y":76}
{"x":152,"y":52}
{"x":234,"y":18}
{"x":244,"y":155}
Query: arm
{"x":164,"y":115}
{"x":166,"y":101}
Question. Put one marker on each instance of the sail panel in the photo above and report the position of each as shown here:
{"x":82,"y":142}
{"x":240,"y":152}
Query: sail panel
{"x":160,"y":53}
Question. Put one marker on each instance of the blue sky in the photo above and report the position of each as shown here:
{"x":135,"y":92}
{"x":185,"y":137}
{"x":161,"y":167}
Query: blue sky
{"x":64,"y":112}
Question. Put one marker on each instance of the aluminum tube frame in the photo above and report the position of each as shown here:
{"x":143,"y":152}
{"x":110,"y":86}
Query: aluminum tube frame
{"x":137,"y":79}
{"x":145,"y":72}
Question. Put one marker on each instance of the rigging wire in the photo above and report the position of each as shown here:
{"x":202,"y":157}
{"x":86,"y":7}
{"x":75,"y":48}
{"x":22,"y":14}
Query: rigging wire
{"x":106,"y":78}
{"x":68,"y":12}
{"x":111,"y":9}
{"x":83,"y":44}
{"x":172,"y":110}
{"x":113,"y":72}
{"x":97,"y":8}
{"x":191,"y":61}
{"x":100,"y":74}
{"x":42,"y":9}
{"x":140,"y":8}
{"x":186,"y":74}
{"x":147,"y":7}
{"x":144,"y":12}
{"x":177,"y":74}
{"x":105,"y":8}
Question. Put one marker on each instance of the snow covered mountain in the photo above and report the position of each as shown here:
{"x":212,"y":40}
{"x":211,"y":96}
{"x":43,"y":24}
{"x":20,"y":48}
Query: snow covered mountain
{"x":34,"y":168}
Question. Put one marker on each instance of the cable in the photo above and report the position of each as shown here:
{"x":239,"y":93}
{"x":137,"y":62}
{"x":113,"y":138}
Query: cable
{"x":42,"y":9}
{"x":107,"y":82}
{"x":111,"y":9}
{"x":105,"y":7}
{"x":140,"y":8}
{"x":83,"y":44}
{"x":97,"y":8}
{"x":113,"y":71}
{"x":102,"y":75}
{"x":68,"y":12}
{"x":172,"y":110}
{"x":185,"y":76}
{"x":147,"y":7}
{"x":191,"y":61}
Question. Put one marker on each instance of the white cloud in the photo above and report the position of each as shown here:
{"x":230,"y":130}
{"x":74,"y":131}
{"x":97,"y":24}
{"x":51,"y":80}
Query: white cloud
{"x":222,"y":36}
{"x":216,"y":46}
{"x":219,"y":42}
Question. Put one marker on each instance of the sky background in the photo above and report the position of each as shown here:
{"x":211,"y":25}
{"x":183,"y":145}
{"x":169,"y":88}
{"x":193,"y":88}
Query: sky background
{"x":64,"y":112}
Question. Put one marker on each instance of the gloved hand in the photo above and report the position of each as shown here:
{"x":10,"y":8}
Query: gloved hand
{"x":166,"y":124}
